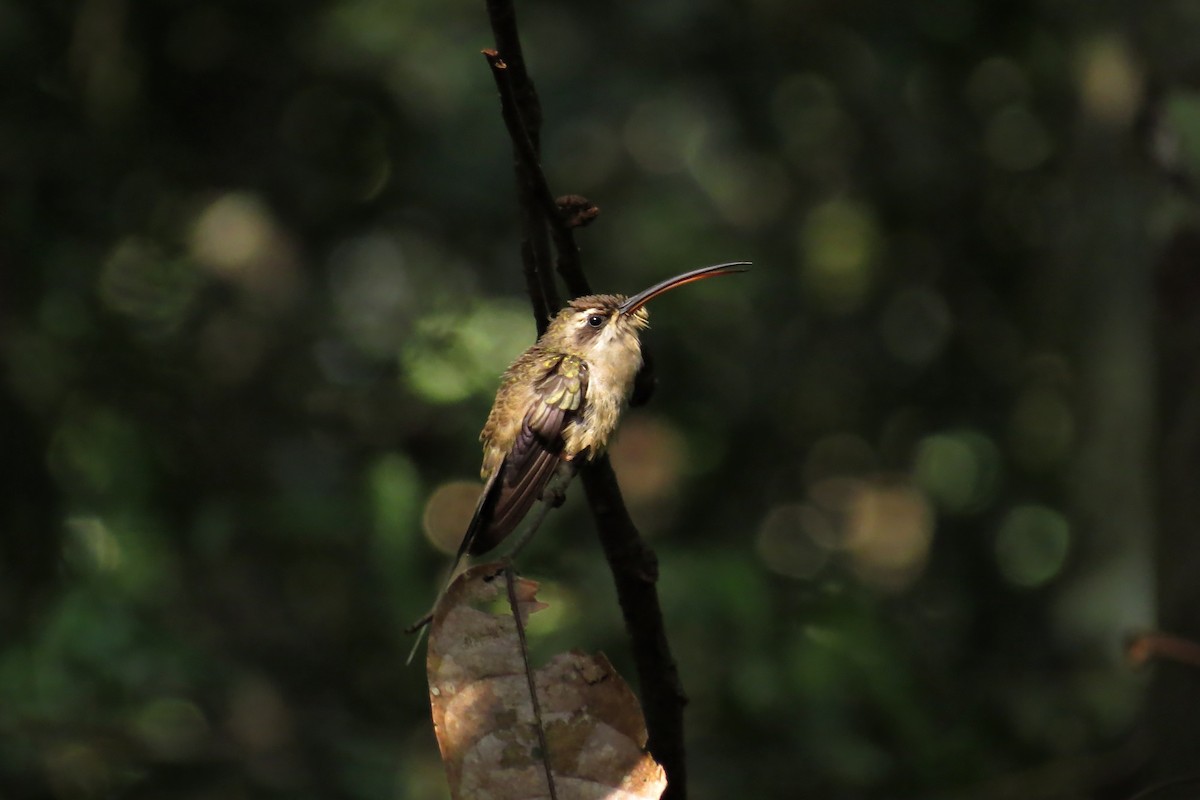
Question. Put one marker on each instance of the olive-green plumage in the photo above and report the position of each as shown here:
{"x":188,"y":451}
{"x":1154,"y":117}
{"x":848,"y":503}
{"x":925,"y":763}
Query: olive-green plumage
{"x":560,"y":401}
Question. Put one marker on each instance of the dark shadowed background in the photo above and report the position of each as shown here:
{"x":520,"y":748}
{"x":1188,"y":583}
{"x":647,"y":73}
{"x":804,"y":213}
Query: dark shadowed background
{"x":908,"y":480}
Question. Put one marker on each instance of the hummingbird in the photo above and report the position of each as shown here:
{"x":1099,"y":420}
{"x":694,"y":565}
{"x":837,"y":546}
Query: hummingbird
{"x":560,"y":401}
{"x":557,"y":405}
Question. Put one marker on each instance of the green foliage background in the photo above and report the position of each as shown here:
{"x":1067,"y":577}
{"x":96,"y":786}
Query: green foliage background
{"x":259,"y":273}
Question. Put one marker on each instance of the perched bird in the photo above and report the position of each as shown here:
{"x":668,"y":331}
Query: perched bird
{"x":560,"y":401}
{"x":558,"y":404}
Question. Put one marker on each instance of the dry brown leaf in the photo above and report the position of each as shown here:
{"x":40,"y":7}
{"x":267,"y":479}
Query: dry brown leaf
{"x":484,"y":719}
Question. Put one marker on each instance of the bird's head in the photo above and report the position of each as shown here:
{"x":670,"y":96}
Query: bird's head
{"x":602,"y":322}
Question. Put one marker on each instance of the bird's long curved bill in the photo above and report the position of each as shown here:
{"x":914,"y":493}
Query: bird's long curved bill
{"x":646,"y":295}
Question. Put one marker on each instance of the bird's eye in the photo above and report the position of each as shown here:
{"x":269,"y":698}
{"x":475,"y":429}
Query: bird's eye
{"x":595,"y":320}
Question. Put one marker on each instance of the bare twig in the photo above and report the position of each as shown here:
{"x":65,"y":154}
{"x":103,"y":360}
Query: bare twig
{"x":631,"y":561}
{"x":1158,"y":646}
{"x":532,"y":179}
{"x":576,"y":210}
{"x":532,"y":192}
{"x":635,"y":571}
{"x":503,"y":18}
{"x":539,"y":727}
{"x":418,"y":625}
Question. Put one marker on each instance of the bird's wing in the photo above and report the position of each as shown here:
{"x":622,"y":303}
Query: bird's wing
{"x":558,"y":398}
{"x":511,"y":489}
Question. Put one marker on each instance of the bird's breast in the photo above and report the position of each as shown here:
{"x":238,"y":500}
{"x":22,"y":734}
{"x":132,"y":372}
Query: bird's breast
{"x":610,"y":382}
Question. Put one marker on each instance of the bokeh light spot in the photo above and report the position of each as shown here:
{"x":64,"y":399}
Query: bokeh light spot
{"x":835,"y":494}
{"x":839,"y":244}
{"x":394,"y":483}
{"x":92,"y":539}
{"x":153,"y":291}
{"x":648,"y":455}
{"x":237,"y":238}
{"x":1032,"y":545}
{"x":960,"y":471}
{"x":448,"y":512}
{"x":232,"y":234}
{"x":449,"y":355}
{"x":793,"y":540}
{"x":1110,"y":80}
{"x":889,"y":533}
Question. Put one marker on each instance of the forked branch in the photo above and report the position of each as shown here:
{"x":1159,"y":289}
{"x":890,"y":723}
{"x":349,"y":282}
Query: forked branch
{"x":632,"y":562}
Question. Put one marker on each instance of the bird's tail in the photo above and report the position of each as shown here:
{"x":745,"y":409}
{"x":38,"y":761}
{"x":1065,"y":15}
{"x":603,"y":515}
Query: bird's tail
{"x":480,"y":521}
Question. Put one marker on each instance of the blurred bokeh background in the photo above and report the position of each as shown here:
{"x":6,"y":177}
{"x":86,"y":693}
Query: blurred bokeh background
{"x":912,"y":481}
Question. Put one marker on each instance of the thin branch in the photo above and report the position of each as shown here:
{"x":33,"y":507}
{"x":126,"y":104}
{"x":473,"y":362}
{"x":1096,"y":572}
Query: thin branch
{"x":632,"y":562}
{"x":538,"y":725}
{"x":519,"y":132}
{"x":576,"y":210}
{"x":529,"y":170}
{"x":535,"y":252}
{"x":635,"y":571}
{"x":1158,"y":646}
{"x":503,"y":18}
